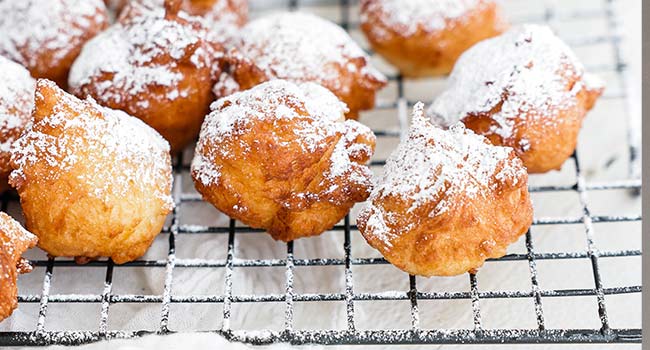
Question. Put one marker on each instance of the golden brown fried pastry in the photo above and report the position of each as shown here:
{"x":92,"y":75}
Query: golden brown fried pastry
{"x":16,"y":102}
{"x":426,"y":37}
{"x":301,"y":47}
{"x":157,"y":67}
{"x":47,"y":35}
{"x":92,"y":181}
{"x":524,"y":89}
{"x":221,"y":17}
{"x":14,"y":241}
{"x":447,"y":201}
{"x":280,"y":156}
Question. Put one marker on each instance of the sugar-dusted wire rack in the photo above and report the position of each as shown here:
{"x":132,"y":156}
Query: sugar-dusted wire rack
{"x":351,"y":333}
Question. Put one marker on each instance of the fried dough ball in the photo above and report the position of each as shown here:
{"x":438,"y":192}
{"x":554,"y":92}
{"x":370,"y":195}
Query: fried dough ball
{"x":16,"y":103}
{"x":157,"y":67}
{"x":93,"y":182}
{"x":47,"y":35}
{"x":301,"y":47}
{"x":14,"y":241}
{"x":524,"y":89}
{"x":426,"y":37}
{"x":221,"y":17}
{"x":447,"y":201}
{"x":280,"y":156}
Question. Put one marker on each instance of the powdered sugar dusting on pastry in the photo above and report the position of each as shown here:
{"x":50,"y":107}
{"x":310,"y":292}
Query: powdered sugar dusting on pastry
{"x":97,"y":134}
{"x":413,"y":15}
{"x":318,"y":114}
{"x":28,"y":26}
{"x":440,"y":166}
{"x":205,"y":171}
{"x":523,"y":73}
{"x":219,"y":19}
{"x":301,"y":47}
{"x":16,"y":101}
{"x":130,"y":53}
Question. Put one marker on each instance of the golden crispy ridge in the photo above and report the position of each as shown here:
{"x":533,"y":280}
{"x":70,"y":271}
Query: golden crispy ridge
{"x":14,"y":241}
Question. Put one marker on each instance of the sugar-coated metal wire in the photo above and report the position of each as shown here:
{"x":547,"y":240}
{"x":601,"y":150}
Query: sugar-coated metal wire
{"x":351,"y":334}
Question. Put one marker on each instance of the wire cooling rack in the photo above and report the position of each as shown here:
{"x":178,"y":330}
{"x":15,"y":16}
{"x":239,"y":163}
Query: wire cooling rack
{"x":351,"y":332}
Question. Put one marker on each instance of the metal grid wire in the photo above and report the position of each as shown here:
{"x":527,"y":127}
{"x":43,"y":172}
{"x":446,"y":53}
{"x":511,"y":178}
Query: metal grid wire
{"x":352,"y":334}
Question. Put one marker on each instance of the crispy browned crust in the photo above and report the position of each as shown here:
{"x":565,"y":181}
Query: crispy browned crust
{"x":261,"y":189}
{"x":57,"y":70}
{"x":459,"y":240}
{"x":177,"y":119}
{"x":357,"y":90}
{"x":22,"y":108}
{"x":551,"y":138}
{"x":205,"y":8}
{"x":434,"y":53}
{"x":202,"y":8}
{"x":14,"y":241}
{"x":5,"y":156}
{"x":59,"y":210}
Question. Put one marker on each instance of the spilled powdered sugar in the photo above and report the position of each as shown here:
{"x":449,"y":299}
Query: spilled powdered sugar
{"x":16,"y":101}
{"x":435,"y":165}
{"x":321,"y":117}
{"x":524,"y":72}
{"x":30,"y":26}
{"x":301,"y":47}
{"x":134,"y":54}
{"x":409,"y":16}
{"x":137,"y":155}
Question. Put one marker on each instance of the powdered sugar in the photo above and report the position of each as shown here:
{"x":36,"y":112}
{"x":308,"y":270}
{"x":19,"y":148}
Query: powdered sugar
{"x":16,"y":101}
{"x":317,"y":113}
{"x":592,"y":82}
{"x":97,"y":136}
{"x":409,"y":16}
{"x":377,"y":224}
{"x":302,"y":47}
{"x":31,"y":26}
{"x":439,"y":166}
{"x":223,"y":18}
{"x":524,"y":73}
{"x":131,"y":54}
{"x":205,"y":171}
